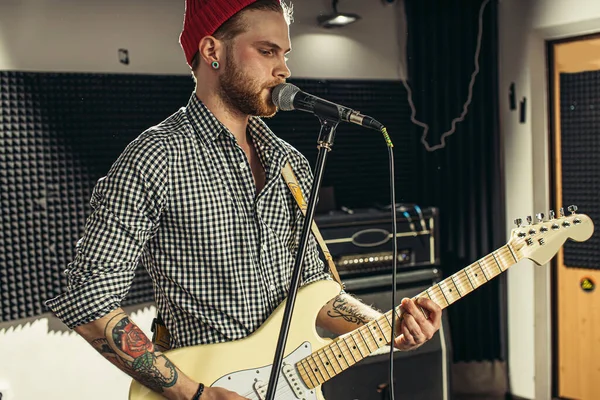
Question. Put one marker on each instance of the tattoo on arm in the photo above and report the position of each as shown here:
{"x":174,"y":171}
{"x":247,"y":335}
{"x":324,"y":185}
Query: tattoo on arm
{"x":130,"y":349}
{"x":341,"y":308}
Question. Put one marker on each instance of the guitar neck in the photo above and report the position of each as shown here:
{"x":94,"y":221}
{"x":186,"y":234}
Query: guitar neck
{"x":351,"y":348}
{"x":472,"y":277}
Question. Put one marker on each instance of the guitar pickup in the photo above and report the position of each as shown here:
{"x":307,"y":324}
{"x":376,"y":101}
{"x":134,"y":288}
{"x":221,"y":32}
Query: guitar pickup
{"x":260,"y":388}
{"x":292,"y":378}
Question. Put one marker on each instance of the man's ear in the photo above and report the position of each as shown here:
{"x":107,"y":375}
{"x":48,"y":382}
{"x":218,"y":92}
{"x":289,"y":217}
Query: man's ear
{"x":210,"y":49}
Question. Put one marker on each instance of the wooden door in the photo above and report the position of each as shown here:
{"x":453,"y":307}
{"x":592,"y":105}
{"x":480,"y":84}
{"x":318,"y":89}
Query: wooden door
{"x":576,"y":150}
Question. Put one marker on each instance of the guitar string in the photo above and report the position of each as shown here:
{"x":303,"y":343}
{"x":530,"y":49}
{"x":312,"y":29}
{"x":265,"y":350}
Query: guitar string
{"x":488,"y":264}
{"x":285,"y":390}
{"x":462,"y":278}
{"x":495,"y":263}
{"x":492,"y":264}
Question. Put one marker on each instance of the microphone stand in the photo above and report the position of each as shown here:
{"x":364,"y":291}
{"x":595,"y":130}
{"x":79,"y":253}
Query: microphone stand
{"x":326,"y":136}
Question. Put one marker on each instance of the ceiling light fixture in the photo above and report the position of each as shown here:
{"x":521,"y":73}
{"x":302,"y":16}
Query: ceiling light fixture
{"x":337,"y":19}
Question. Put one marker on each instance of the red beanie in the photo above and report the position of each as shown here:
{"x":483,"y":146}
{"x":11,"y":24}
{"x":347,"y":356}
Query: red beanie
{"x":203,"y":18}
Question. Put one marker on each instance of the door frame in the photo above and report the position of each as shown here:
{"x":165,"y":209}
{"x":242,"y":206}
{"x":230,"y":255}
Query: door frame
{"x":552,"y":146}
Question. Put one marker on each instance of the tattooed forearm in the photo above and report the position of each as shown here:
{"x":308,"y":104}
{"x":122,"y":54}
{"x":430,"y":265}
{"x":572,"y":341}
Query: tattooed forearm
{"x":102,"y":346}
{"x":126,"y":346}
{"x":344,"y":313}
{"x":343,"y":308}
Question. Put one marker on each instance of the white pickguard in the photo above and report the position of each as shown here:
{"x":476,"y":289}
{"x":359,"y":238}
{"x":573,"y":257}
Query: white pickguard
{"x":252,"y":383}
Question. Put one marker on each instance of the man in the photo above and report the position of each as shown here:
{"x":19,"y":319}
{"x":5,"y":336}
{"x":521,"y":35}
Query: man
{"x":199,"y":200}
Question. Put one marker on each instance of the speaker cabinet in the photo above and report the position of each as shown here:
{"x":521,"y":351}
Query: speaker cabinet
{"x":421,"y":374}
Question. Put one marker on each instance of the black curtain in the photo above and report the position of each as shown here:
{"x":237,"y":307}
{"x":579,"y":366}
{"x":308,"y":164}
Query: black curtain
{"x":465,"y":177}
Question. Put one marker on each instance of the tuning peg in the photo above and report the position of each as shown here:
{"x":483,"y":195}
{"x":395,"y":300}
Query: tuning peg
{"x":552,"y":214}
{"x":518,"y":222}
{"x":529,"y":219}
{"x":572,"y":209}
{"x":562,"y":212}
{"x":540,"y":217}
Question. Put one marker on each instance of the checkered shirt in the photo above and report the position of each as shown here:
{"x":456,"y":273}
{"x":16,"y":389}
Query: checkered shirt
{"x":181,"y":200}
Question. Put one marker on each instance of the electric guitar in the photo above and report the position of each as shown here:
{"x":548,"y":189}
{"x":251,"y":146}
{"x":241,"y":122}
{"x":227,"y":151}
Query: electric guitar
{"x":243,"y":366}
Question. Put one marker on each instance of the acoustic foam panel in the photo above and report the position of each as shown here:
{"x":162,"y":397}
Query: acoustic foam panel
{"x":60,"y":133}
{"x":580,"y":163}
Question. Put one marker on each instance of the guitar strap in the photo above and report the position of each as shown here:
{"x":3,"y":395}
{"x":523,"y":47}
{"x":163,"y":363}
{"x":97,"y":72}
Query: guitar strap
{"x":292,"y":182}
{"x":161,"y":336}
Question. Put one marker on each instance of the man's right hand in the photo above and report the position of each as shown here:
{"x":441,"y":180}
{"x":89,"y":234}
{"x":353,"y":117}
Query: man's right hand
{"x":218,"y":393}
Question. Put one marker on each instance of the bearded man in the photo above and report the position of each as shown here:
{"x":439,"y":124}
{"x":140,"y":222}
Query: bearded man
{"x":200,"y":202}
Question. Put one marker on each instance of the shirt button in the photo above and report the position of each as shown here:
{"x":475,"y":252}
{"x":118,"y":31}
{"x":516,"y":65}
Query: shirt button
{"x":242,"y":165}
{"x":264,"y":247}
{"x":272,"y":288}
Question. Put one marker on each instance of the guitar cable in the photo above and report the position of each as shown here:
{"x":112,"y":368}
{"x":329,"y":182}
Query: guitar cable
{"x":410,"y":222}
{"x":421,"y":217}
{"x":395,"y":316}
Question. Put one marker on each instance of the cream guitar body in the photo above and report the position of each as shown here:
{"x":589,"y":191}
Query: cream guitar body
{"x":243,"y":366}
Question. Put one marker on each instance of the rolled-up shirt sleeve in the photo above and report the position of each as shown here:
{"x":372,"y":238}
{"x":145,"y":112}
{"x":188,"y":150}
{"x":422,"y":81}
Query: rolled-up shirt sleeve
{"x":126,"y":208}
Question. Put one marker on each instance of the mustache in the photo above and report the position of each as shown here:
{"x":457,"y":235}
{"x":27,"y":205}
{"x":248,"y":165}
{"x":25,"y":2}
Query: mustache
{"x":272,"y":85}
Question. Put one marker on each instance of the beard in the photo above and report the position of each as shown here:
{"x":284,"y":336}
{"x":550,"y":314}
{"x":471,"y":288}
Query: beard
{"x":244,"y":93}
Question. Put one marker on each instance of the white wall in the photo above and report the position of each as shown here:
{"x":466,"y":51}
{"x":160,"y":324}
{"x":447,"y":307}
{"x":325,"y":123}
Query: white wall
{"x":36,"y":361}
{"x":552,"y":14}
{"x":365,"y":50}
{"x":41,"y":363}
{"x":523,"y":28}
{"x":85,"y":36}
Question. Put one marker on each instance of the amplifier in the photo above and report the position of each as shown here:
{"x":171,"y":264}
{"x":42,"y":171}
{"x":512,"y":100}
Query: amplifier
{"x":360,"y":242}
{"x":421,"y":374}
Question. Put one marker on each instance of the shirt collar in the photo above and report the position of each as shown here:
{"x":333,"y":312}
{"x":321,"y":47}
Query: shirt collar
{"x":209,"y":128}
{"x":206,"y":125}
{"x":265,"y":138}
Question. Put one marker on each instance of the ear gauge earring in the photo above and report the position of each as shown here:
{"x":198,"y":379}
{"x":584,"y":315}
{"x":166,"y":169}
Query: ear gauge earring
{"x":215,"y":64}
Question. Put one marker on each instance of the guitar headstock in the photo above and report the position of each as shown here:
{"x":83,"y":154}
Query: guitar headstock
{"x":540,"y":240}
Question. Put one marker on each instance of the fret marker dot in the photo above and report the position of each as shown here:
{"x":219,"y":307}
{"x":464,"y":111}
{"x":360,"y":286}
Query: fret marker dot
{"x":354,"y":347}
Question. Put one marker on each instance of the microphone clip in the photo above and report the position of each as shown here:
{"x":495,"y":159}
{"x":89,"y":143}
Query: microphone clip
{"x":327,"y":133}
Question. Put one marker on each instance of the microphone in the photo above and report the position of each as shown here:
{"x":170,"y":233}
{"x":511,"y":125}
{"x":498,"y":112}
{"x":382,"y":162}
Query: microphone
{"x":288,"y":97}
